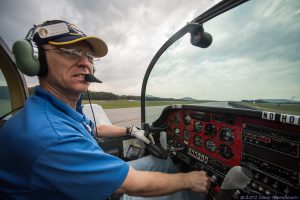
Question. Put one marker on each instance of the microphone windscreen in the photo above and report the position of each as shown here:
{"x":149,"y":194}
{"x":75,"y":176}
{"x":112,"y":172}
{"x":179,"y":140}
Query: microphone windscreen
{"x":91,"y":78}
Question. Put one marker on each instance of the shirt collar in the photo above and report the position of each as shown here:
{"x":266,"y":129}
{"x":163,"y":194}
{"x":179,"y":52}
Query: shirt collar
{"x":79,"y":104}
{"x":75,"y":114}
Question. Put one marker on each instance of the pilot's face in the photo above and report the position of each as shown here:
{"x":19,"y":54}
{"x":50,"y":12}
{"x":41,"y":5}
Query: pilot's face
{"x":66,"y":70}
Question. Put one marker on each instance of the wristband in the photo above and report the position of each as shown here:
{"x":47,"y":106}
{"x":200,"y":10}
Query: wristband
{"x":127,"y":130}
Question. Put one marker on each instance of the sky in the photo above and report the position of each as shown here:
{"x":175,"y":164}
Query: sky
{"x":254,"y":53}
{"x":133,"y":30}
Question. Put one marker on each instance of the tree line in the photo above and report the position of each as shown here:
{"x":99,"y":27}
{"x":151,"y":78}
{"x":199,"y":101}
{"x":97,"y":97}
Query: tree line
{"x":108,"y":96}
{"x":101,"y":95}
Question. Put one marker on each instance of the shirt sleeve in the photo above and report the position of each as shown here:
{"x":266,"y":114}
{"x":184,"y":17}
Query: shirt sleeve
{"x":79,"y":169}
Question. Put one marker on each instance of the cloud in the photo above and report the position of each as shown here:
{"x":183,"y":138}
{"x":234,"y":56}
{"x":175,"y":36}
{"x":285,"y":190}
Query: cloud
{"x":134,"y":30}
{"x":254,"y":54}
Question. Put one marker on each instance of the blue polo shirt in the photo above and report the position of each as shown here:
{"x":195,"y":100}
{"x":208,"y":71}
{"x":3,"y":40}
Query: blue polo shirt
{"x":47,"y":151}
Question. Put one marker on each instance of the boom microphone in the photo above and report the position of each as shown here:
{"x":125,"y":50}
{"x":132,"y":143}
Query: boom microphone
{"x":236,"y":179}
{"x":91,"y":78}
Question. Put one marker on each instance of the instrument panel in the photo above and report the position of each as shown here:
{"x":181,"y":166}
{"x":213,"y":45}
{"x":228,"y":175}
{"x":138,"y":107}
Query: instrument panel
{"x":216,"y":139}
{"x":215,"y":135}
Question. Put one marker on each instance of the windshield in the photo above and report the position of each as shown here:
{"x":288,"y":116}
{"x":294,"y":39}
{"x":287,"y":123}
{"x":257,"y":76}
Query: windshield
{"x":5,"y":101}
{"x":253,"y":62}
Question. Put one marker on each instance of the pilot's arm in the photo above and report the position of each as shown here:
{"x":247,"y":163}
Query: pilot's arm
{"x":111,"y":131}
{"x":143,"y":183}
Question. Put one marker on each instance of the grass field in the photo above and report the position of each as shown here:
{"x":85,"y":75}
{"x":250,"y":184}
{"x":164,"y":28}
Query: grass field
{"x":128,"y":104}
{"x":109,"y":104}
{"x":5,"y":107}
{"x":279,"y":108}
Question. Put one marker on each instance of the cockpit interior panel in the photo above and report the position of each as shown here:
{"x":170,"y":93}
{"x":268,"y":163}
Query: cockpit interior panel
{"x":216,"y":139}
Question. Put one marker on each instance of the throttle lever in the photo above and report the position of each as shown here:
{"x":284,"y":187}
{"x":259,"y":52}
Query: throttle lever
{"x":157,"y":151}
{"x":237,"y":178}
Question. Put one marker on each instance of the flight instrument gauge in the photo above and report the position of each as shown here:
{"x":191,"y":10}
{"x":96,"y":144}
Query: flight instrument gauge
{"x":177,"y":132}
{"x":198,"y":126}
{"x":225,"y":151}
{"x":198,"y":141}
{"x":226,"y":135}
{"x":177,"y":118}
{"x":210,"y":145}
{"x":186,"y":119}
{"x":186,"y":134}
{"x":210,"y":130}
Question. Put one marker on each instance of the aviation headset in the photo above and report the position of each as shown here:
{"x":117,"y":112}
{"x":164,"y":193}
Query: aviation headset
{"x":30,"y":57}
{"x":29,"y":54}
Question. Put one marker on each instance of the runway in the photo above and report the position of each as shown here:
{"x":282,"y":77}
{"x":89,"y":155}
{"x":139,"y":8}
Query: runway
{"x":132,"y":116}
{"x":125,"y":116}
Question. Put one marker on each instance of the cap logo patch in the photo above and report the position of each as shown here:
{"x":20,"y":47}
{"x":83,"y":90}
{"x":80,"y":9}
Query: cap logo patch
{"x":43,"y":32}
{"x":52,"y":30}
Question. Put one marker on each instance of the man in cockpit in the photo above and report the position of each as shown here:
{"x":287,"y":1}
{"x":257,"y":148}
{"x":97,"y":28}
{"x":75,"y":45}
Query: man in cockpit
{"x":47,"y":150}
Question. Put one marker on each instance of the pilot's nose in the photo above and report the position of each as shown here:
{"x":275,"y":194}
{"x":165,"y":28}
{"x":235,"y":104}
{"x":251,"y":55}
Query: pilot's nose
{"x":85,"y":63}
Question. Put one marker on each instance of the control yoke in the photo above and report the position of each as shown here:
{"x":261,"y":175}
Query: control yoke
{"x":236,"y":179}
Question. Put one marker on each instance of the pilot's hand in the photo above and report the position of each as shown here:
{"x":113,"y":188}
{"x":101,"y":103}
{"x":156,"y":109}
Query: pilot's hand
{"x":140,"y":134}
{"x":198,"y":181}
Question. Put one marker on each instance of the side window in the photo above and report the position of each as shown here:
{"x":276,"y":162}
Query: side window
{"x":5,"y":100}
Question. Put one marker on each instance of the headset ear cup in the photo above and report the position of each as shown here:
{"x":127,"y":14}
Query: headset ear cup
{"x":26,"y":62}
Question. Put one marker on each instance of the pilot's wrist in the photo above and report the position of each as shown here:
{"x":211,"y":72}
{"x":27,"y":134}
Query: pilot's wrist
{"x":128,"y":130}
